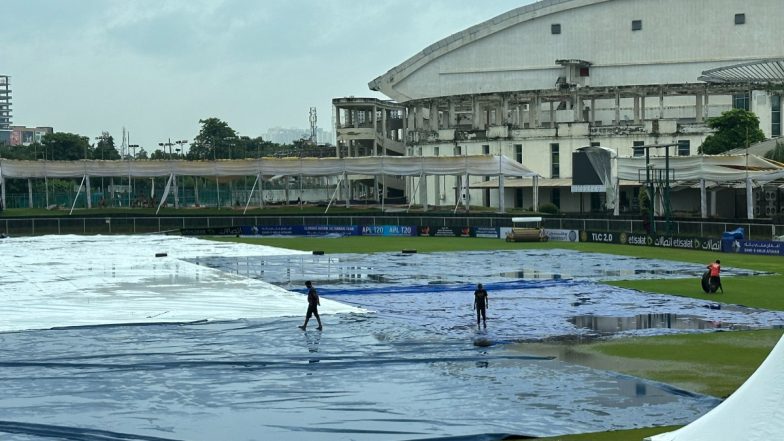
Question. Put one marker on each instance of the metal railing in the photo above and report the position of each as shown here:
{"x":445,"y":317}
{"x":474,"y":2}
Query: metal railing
{"x":144,"y":225}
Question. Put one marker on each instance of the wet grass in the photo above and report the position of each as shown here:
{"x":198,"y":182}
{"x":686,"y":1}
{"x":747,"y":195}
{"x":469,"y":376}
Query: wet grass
{"x":713,"y":363}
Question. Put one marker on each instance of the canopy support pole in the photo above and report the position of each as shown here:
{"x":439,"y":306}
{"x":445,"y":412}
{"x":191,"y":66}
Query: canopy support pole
{"x":88,"y":191}
{"x":749,"y":199}
{"x":250,"y":196}
{"x":2,"y":192}
{"x":335,"y":193}
{"x":703,"y":200}
{"x":261,"y":190}
{"x":29,"y":193}
{"x":165,"y":193}
{"x":535,"y":189}
{"x":75,"y":197}
{"x":501,"y":191}
{"x":416,"y":187}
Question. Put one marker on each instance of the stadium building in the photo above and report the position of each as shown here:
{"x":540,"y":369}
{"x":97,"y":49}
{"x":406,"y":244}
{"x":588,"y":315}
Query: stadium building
{"x":544,"y":80}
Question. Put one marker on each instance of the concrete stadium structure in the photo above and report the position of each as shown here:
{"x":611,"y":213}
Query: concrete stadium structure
{"x":541,"y":81}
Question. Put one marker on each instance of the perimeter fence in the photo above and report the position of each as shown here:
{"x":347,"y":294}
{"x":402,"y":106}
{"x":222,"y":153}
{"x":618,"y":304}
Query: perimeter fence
{"x":161,"y":224}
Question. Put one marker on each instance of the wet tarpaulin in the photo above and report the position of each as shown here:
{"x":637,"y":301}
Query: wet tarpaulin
{"x":417,"y":368}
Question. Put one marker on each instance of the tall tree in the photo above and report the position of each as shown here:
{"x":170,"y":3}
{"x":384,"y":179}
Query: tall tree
{"x":215,"y":141}
{"x":62,"y":146}
{"x":736,"y":128}
{"x":105,"y":148}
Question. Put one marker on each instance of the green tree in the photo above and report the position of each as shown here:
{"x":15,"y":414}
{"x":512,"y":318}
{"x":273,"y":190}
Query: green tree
{"x":214,"y":141}
{"x":736,"y":128}
{"x":105,"y":148}
{"x":62,"y":146}
{"x":776,"y":153}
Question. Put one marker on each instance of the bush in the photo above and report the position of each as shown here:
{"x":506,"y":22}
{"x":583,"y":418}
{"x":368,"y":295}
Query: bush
{"x":548,"y":208}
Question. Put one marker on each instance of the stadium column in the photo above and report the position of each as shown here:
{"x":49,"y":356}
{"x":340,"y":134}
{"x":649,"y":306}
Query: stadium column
{"x":698,"y":108}
{"x":636,"y":109}
{"x":30,"y":192}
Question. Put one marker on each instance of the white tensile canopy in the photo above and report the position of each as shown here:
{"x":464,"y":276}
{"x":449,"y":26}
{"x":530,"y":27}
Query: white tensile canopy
{"x":484,"y":165}
{"x":753,"y":413}
{"x":704,"y":171}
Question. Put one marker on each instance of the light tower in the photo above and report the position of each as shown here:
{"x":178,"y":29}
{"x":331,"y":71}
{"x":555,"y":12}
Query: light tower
{"x":313,"y":125}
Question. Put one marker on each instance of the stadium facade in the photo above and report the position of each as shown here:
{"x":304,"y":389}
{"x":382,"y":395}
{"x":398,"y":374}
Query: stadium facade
{"x":541,"y":81}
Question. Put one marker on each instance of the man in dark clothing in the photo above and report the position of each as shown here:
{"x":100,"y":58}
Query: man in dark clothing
{"x":480,"y":304}
{"x":313,"y":304}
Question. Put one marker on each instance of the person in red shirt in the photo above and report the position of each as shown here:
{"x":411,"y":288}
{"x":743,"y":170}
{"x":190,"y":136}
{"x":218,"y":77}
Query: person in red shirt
{"x":715,"y":278}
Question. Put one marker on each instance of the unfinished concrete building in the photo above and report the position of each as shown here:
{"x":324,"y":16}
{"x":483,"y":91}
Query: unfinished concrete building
{"x":371,"y":127}
{"x":543,"y":80}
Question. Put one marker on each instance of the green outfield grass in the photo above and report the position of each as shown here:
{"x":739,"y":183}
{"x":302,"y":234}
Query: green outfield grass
{"x":714,"y":363}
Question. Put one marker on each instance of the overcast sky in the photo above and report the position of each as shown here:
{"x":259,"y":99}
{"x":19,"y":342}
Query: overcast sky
{"x":156,"y":67}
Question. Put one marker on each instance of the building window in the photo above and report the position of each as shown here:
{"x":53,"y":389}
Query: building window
{"x":595,"y":143}
{"x":518,"y":153}
{"x":638,"y":149}
{"x":485,"y":149}
{"x":636,"y":25}
{"x":555,"y":28}
{"x":740,"y":19}
{"x":458,"y":150}
{"x":585,"y":71}
{"x":775,"y":115}
{"x":555,"y":197}
{"x":740,"y":101}
{"x":435,"y":151}
{"x":555,"y":161}
{"x":684,"y":147}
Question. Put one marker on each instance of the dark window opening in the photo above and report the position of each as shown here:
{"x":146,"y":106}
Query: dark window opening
{"x":555,"y":28}
{"x":555,"y":161}
{"x":585,"y":72}
{"x":775,"y":115}
{"x":740,"y":19}
{"x":684,"y":147}
{"x":638,"y":149}
{"x":519,"y":153}
{"x":485,"y":149}
{"x":636,"y":25}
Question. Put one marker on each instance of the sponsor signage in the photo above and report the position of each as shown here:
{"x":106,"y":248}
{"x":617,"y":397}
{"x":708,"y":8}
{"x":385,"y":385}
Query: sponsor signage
{"x":562,"y":235}
{"x":602,"y":237}
{"x":445,"y":231}
{"x":588,"y":188}
{"x":694,"y":243}
{"x":388,"y":230}
{"x":761,"y":247}
{"x":485,"y":232}
{"x":222,"y":231}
